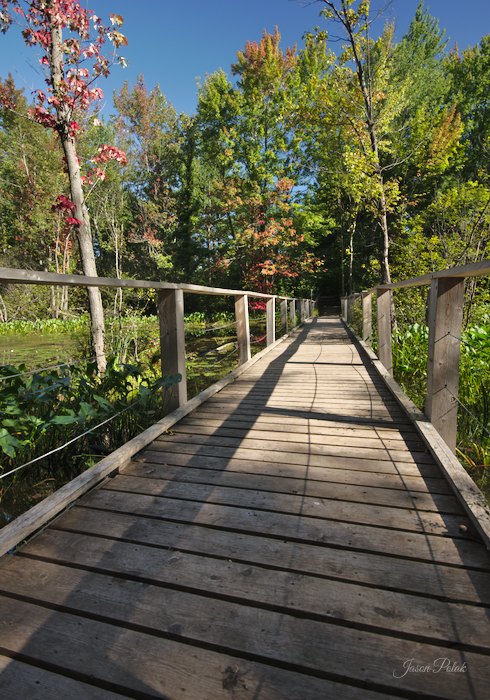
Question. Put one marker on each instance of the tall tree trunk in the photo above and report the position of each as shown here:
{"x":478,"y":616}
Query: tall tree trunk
{"x":344,"y":18}
{"x":3,"y":311}
{"x":352,"y":230}
{"x":84,"y":234}
{"x":383,"y":222}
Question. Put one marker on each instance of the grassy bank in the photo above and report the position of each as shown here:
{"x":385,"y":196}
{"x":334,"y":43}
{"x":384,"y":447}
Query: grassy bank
{"x":409,"y":367}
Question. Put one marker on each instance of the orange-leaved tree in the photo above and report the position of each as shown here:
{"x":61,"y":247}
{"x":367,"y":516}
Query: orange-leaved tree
{"x":70,"y":39}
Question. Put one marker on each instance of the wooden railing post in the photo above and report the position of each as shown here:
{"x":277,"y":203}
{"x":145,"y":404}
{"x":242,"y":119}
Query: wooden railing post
{"x":271,"y":321}
{"x":301,"y":310}
{"x":284,"y":316}
{"x":367,"y":317}
{"x":242,"y":328}
{"x":446,"y":300}
{"x":343,"y":308}
{"x":292,"y":313}
{"x":383,"y":317}
{"x":348,"y":309}
{"x":172,"y":342}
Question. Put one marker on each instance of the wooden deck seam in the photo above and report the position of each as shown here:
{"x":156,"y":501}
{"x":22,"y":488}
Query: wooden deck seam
{"x":264,"y":509}
{"x":365,"y":501}
{"x":84,"y":678}
{"x":336,"y":462}
{"x":280,"y":658}
{"x":413,"y":506}
{"x":330,"y":451}
{"x":282,"y":610}
{"x":236,"y":560}
{"x":303,"y":540}
{"x":342,"y":681}
{"x":144,"y":462}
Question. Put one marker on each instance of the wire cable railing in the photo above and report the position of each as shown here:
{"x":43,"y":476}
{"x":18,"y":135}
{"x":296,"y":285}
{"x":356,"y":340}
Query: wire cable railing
{"x":445,"y":315}
{"x":210,"y":329}
{"x":68,"y":363}
{"x":72,"y":440}
{"x":471,"y":414}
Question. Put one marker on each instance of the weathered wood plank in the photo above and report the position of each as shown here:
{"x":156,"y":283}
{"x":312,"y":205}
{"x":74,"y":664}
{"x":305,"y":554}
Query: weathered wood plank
{"x":298,"y":426}
{"x":20,"y":680}
{"x":359,"y":463}
{"x":283,"y":446}
{"x":309,"y":645}
{"x":369,"y":494}
{"x":305,"y":436}
{"x":409,"y":544}
{"x":143,"y":663}
{"x":343,"y":475}
{"x":300,"y":504}
{"x":376,"y":610}
{"x":316,"y":413}
{"x":349,"y":402}
{"x":304,"y":421}
{"x":387,"y":572}
{"x":345,"y":409}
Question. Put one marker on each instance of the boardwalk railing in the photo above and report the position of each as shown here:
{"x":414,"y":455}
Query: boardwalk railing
{"x":170,"y":302}
{"x":445,"y":319}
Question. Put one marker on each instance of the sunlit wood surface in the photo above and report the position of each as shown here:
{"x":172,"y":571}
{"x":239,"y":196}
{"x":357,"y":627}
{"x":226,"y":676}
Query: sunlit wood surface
{"x":290,"y":539}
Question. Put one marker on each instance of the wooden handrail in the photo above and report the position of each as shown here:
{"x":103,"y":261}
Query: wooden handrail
{"x":445,"y":318}
{"x":171,"y":314}
{"x":478,"y":269}
{"x":16,"y":276}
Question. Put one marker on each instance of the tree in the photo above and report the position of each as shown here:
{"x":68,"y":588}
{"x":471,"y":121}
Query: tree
{"x":31,"y":175}
{"x":251,"y":136}
{"x":70,"y":39}
{"x":156,"y":136}
{"x":32,"y":235}
{"x":470,"y":77}
{"x":355,"y":22}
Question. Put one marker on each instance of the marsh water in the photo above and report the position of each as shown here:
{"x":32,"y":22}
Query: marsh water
{"x":42,"y":350}
{"x":37,"y":350}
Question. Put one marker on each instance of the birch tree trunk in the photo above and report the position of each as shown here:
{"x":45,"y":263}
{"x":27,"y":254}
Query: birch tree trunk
{"x":84,"y":233}
{"x":345,"y":19}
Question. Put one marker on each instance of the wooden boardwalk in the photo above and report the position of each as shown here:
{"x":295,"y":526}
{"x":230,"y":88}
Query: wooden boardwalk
{"x":290,"y":539}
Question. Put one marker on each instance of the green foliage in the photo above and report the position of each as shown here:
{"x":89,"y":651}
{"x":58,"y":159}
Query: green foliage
{"x":253,"y":144}
{"x":281,"y":182}
{"x":409,"y":367}
{"x":54,"y":326}
{"x":35,"y":406}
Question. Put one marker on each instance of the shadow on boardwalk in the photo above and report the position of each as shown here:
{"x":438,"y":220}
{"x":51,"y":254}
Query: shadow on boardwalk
{"x":290,"y":539}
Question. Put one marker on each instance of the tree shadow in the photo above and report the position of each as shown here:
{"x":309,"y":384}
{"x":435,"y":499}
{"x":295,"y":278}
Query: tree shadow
{"x":113,"y":617}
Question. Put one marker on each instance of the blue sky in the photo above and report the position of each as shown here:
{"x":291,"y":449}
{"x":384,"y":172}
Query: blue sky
{"x":172,"y":43}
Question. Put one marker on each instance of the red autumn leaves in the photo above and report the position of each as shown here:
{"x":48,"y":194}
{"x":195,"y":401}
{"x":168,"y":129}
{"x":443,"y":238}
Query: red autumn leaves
{"x":65,"y":206}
